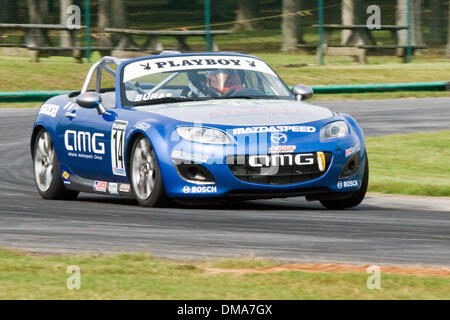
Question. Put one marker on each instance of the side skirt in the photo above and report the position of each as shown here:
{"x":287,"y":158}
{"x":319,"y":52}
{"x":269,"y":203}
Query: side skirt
{"x":98,"y":186}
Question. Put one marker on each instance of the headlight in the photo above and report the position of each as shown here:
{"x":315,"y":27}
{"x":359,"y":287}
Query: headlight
{"x":333,"y":130}
{"x":204,"y":135}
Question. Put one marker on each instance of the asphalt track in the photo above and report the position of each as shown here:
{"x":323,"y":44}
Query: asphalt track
{"x":383,"y":230}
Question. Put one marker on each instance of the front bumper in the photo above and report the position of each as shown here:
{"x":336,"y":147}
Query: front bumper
{"x":228,"y":185}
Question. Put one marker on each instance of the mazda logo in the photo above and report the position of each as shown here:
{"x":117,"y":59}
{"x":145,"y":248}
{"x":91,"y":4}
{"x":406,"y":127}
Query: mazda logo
{"x":278,"y":138}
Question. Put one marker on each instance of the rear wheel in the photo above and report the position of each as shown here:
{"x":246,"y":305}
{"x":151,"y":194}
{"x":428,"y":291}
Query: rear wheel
{"x":146,"y":177}
{"x":356,"y":198}
{"x":46,"y":170}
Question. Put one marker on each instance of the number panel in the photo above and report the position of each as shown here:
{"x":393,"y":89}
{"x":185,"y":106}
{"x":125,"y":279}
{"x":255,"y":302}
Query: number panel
{"x":118,"y":147}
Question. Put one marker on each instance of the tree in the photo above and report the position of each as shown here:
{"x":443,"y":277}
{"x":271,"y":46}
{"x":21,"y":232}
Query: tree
{"x":248,"y":9}
{"x":290,"y":25}
{"x":417,"y":21}
{"x":9,"y":11}
{"x":219,"y":9}
{"x":38,"y":13}
{"x":37,"y":10}
{"x":448,"y":41}
{"x":352,"y":12}
{"x":63,"y":16}
{"x":437,"y":23}
{"x":402,"y":20}
{"x":104,"y":21}
{"x":120,"y":14}
{"x":119,"y":19}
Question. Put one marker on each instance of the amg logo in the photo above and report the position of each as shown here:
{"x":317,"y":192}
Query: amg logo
{"x":281,"y":160}
{"x":83,"y":141}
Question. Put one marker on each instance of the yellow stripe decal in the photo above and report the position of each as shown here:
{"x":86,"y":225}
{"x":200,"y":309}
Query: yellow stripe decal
{"x":321,"y":161}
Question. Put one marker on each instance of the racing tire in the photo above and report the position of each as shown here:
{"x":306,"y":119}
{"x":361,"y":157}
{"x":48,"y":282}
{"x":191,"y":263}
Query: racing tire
{"x":356,"y":197}
{"x":47,"y":172}
{"x":145,"y":175}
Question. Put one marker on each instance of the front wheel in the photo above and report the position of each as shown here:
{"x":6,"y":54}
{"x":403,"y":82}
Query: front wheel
{"x":46,"y":170}
{"x":146,"y":177}
{"x":356,"y":198}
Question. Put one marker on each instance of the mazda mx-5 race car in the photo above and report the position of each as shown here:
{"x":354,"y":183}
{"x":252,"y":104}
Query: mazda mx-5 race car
{"x":206,"y":125}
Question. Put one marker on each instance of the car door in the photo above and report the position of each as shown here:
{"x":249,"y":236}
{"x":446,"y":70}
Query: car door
{"x":86,"y":137}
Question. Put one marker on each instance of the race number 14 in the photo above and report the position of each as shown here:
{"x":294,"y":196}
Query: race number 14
{"x":118,"y":147}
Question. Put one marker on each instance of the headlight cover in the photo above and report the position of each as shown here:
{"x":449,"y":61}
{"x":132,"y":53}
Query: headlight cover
{"x":204,"y":135}
{"x":333,"y":130}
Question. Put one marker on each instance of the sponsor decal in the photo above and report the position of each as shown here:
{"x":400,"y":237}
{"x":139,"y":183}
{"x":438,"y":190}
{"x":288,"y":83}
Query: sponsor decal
{"x":100,"y":186}
{"x":146,"y":66}
{"x":260,"y":161}
{"x":282,"y":149}
{"x":70,"y":106}
{"x":112,"y":188}
{"x":321,"y":161}
{"x":124,"y":187}
{"x":151,"y":96}
{"x":347,"y":184}
{"x":141,"y":125}
{"x":278,"y":138}
{"x":49,"y":109}
{"x":200,"y":189}
{"x":256,"y":110}
{"x":65,"y":176}
{"x":351,"y":151}
{"x":157,"y":65}
{"x":181,"y":155}
{"x":248,"y":130}
{"x":84,"y":141}
{"x":118,"y":147}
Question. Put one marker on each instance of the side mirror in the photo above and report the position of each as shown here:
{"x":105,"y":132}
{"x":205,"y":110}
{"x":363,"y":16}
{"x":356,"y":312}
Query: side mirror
{"x":302,"y":92}
{"x":91,"y":100}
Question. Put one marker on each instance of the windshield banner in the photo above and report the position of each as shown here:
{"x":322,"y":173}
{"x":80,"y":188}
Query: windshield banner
{"x":142,"y":68}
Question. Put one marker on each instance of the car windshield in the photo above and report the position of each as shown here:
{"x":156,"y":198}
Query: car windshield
{"x":203,"y":77}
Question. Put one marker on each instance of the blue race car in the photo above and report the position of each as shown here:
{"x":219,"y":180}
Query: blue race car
{"x":196,"y":126}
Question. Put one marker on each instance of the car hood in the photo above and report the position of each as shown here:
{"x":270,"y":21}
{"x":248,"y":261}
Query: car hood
{"x":236,"y":112}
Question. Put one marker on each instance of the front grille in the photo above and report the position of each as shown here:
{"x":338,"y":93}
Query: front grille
{"x":275,"y":172}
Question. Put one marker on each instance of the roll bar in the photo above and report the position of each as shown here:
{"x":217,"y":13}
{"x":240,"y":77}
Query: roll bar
{"x":99,"y":66}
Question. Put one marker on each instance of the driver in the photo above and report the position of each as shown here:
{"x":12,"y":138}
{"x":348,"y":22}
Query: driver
{"x":223,"y":81}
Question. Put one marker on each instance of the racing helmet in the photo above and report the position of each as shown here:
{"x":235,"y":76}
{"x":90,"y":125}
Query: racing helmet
{"x":222,"y":80}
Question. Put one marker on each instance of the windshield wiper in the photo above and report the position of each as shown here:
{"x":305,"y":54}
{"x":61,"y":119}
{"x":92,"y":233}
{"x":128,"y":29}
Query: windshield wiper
{"x":251,"y":97}
{"x":163,"y":100}
{"x":185,"y":99}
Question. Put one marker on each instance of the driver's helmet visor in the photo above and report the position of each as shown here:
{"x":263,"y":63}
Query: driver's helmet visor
{"x":222,"y":80}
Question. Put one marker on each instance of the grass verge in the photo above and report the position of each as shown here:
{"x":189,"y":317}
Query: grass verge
{"x":415,"y":164}
{"x":59,"y":73}
{"x":140,"y":276}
